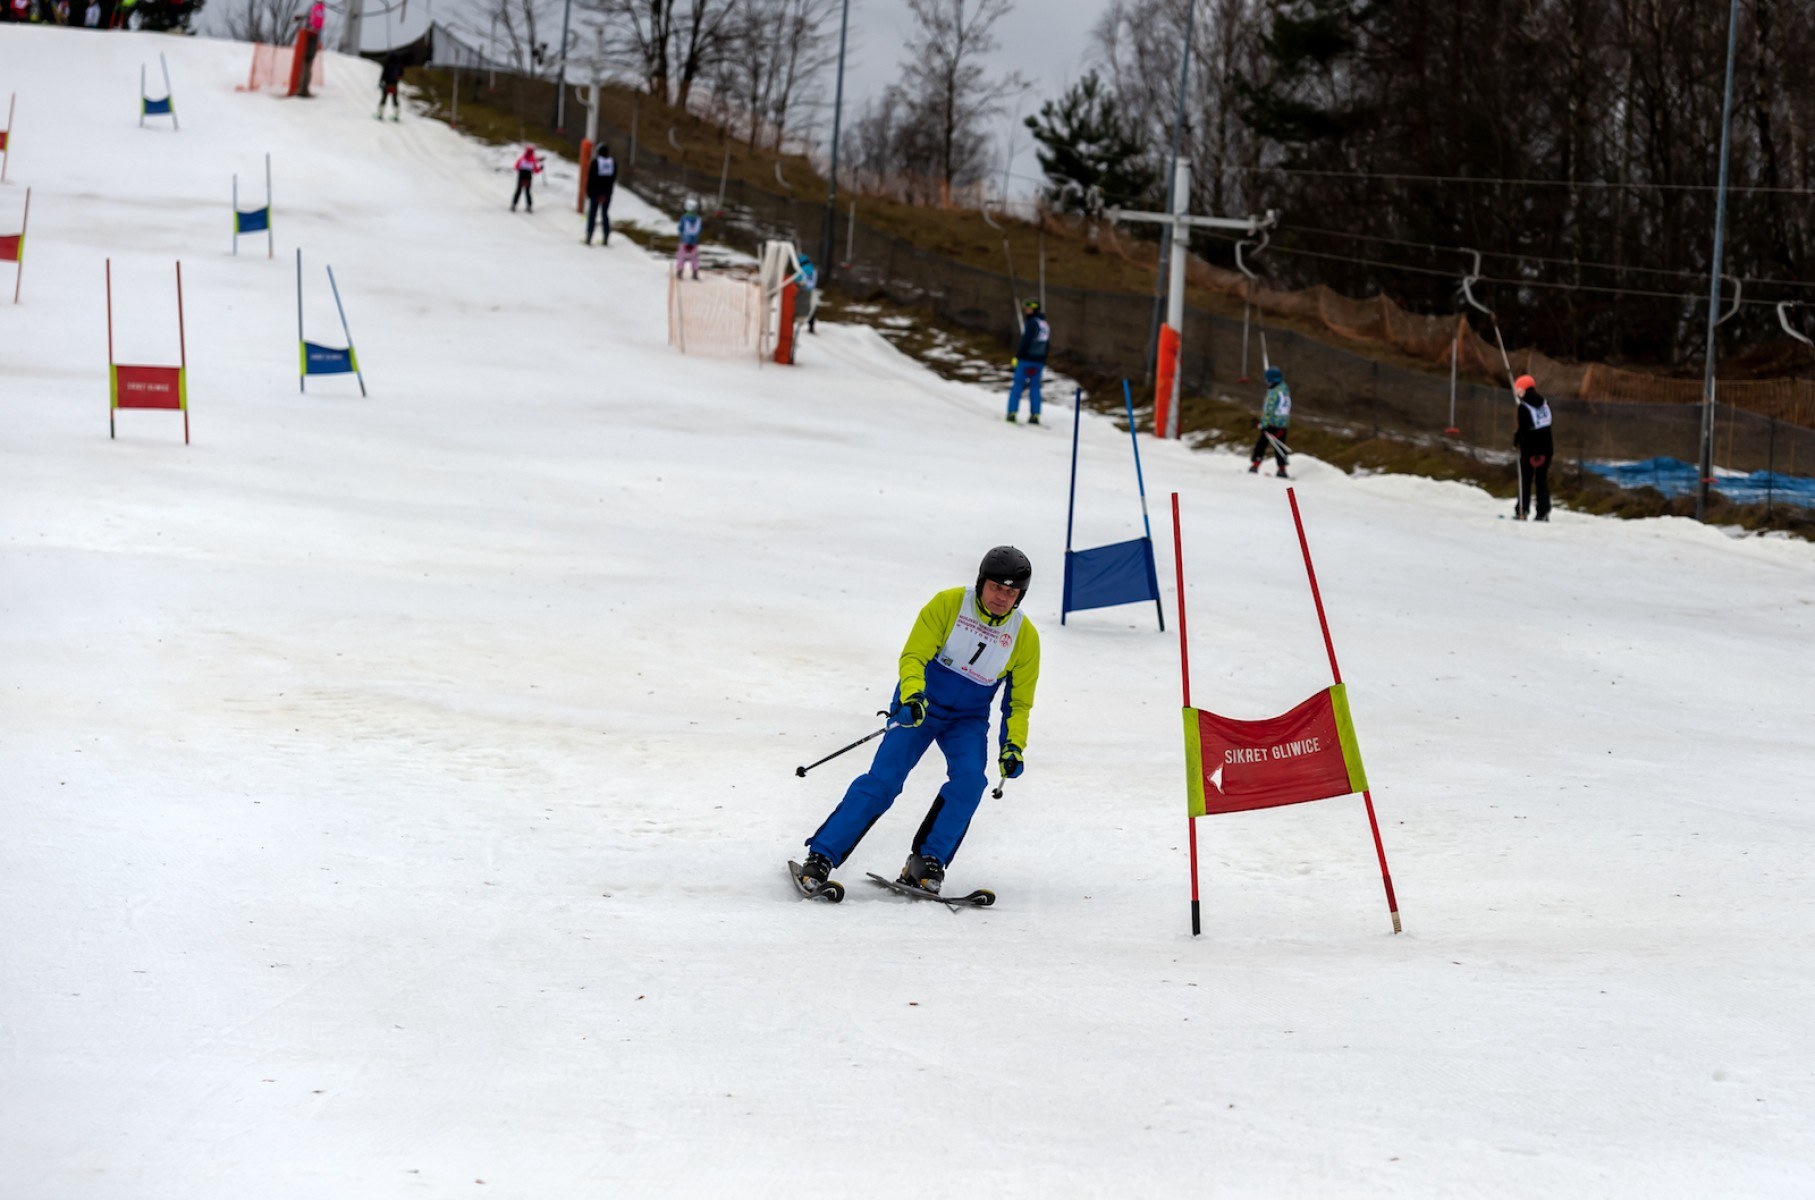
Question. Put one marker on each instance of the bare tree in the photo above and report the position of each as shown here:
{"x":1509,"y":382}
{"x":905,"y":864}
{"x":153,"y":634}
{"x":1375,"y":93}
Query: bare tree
{"x":524,"y":26}
{"x":268,"y":21}
{"x":775,"y":54}
{"x":669,"y":44}
{"x":700,"y":41}
{"x":639,"y":34}
{"x":950,"y":94}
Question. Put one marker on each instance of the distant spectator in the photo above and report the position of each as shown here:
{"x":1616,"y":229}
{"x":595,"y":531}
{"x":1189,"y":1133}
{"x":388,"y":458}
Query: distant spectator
{"x":92,"y":18}
{"x":318,"y":16}
{"x":19,"y":10}
{"x":528,"y":167}
{"x":1536,"y":447}
{"x":1029,"y":362}
{"x":690,"y":239}
{"x":806,"y":290}
{"x":1275,"y":420}
{"x":389,"y":76}
{"x":601,"y":178}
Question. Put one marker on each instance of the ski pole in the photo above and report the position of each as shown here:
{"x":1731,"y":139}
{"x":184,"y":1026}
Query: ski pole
{"x":995,"y":793}
{"x":1277,"y":444}
{"x":801,"y":772}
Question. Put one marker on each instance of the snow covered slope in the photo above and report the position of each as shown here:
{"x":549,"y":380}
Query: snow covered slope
{"x":394,"y":793}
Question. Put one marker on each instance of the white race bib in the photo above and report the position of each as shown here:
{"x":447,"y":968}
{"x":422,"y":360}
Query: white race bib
{"x":977,"y":650}
{"x":1540,"y":414}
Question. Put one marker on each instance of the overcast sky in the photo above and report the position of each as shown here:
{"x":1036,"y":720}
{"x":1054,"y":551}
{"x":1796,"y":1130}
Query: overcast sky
{"x":1045,"y":40}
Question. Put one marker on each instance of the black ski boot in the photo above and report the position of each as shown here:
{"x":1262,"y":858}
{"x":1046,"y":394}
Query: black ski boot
{"x":923,"y":871}
{"x":816,"y":870}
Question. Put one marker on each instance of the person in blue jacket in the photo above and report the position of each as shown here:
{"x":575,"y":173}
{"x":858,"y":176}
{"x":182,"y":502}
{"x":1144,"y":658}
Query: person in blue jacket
{"x":689,"y":230}
{"x":806,"y":289}
{"x":967,"y":644}
{"x":1030,"y":361}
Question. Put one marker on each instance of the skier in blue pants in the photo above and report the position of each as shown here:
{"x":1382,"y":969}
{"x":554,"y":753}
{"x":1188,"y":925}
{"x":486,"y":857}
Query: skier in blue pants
{"x":967,"y":644}
{"x":1030,"y":361}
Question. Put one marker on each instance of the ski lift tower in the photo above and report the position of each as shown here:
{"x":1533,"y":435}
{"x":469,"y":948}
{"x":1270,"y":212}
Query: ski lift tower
{"x":1166,"y":389}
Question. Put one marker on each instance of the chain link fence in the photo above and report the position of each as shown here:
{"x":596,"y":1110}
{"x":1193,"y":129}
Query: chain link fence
{"x":1108,"y":334}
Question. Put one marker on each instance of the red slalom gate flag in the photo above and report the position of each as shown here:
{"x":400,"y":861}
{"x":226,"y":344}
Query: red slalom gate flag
{"x":1309,"y":753}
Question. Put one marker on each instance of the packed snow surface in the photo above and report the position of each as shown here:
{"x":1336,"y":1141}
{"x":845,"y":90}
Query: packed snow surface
{"x":397,"y":791}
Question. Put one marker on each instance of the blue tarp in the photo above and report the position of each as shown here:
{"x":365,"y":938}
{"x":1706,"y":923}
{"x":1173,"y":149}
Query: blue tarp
{"x":1122,"y":573}
{"x":1674,"y":477}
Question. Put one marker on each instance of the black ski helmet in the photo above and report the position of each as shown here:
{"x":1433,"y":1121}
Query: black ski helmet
{"x":1009,"y":567}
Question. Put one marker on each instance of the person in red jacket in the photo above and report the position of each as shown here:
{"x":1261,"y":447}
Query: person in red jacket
{"x":312,"y":23}
{"x":528,"y":167}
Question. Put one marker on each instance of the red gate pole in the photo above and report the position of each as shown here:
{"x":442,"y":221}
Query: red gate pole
{"x":1367,"y":797}
{"x":182,"y":353}
{"x":1184,"y":671}
{"x":19,"y":263}
{"x":6,"y":142}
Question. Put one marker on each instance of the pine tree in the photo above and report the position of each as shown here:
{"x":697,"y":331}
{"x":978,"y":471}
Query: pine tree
{"x":1091,"y":152}
{"x":1308,"y":45}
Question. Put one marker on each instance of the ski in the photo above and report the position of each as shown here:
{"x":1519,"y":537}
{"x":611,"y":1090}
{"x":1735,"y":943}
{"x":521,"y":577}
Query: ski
{"x":831,"y":891}
{"x":981,"y":898}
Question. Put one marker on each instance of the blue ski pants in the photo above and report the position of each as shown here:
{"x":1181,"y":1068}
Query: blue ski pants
{"x":1027,"y":375}
{"x":965,"y":743}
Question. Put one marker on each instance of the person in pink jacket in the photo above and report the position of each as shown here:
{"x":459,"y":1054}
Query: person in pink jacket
{"x":528,"y":167}
{"x":312,"y":22}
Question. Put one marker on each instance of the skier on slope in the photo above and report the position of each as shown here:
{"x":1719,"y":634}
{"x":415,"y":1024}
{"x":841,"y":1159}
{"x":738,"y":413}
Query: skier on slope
{"x":965,"y":645}
{"x":389,"y":76}
{"x":601,"y":179}
{"x":1029,"y":361}
{"x":1275,"y":416}
{"x":1536,"y":447}
{"x":528,"y":167}
{"x":689,"y":230}
{"x":806,"y":286}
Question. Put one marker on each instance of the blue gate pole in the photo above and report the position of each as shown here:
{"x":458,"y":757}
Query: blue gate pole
{"x":169,"y":92}
{"x":302,"y":343}
{"x":1141,"y":482}
{"x":1128,"y":399}
{"x":1071,"y":503}
{"x":352,"y":355}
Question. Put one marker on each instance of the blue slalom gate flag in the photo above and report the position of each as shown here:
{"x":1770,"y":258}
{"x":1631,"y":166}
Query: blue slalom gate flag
{"x":164,"y":107}
{"x":1119,"y":573}
{"x":1104,"y":576}
{"x":328,"y":360}
{"x":318,"y":359}
{"x":256,"y":221}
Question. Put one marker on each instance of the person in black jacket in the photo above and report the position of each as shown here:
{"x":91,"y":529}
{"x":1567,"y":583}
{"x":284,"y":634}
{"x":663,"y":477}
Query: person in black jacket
{"x":1535,"y":447}
{"x":1030,"y":361}
{"x":389,"y":76}
{"x":601,"y":178}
